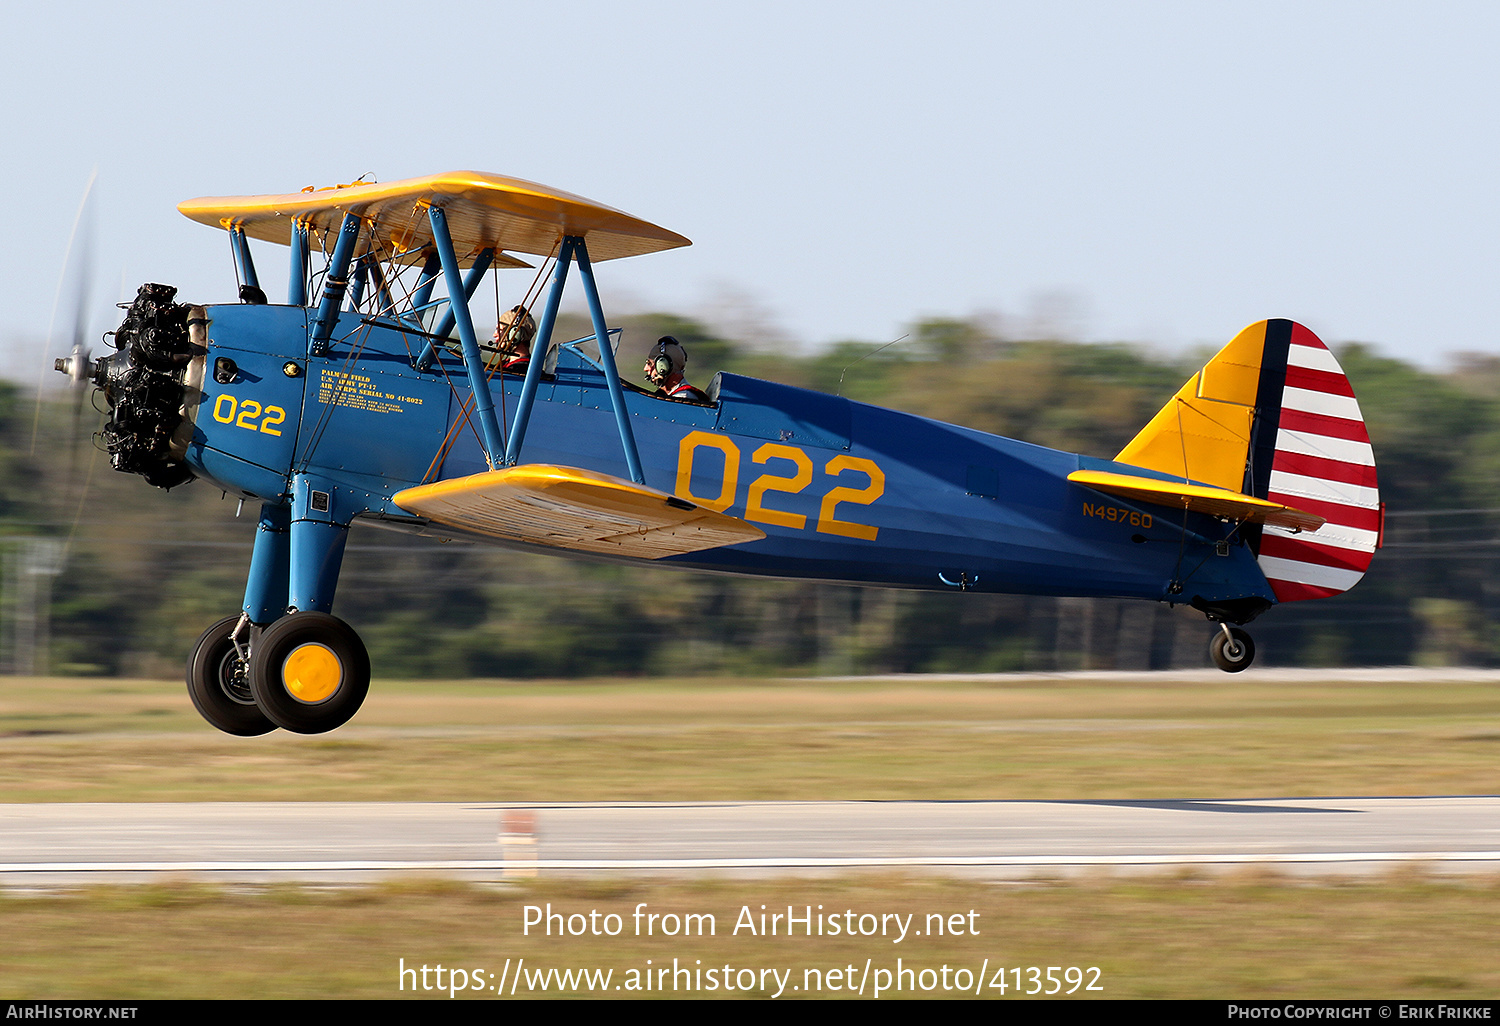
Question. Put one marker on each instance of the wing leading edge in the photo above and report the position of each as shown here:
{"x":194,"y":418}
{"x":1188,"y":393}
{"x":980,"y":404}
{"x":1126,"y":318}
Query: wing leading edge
{"x":568,"y":508}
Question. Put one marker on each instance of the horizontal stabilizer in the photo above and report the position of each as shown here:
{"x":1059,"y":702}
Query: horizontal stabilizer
{"x":567,"y":508}
{"x":1218,"y":502}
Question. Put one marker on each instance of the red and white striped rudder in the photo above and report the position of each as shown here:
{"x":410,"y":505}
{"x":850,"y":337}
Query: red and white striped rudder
{"x":1323,"y":464}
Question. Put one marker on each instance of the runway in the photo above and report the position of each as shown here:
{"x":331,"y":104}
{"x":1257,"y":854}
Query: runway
{"x":68,"y":844}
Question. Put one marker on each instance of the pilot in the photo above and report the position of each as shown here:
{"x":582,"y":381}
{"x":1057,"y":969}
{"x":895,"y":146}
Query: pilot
{"x":510,"y":346}
{"x":664,"y":366}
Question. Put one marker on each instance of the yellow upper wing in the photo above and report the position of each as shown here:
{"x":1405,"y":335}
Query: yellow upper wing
{"x":483,"y":211}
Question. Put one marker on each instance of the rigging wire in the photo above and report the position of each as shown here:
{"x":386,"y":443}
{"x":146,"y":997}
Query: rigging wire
{"x":529,"y":298}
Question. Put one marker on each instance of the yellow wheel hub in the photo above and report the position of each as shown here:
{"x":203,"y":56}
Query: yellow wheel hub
{"x":312,"y":673}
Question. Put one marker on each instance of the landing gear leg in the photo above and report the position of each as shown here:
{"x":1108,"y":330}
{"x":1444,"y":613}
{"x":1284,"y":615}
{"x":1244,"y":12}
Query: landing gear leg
{"x":1232,"y":649}
{"x":218,"y":679}
{"x":270,"y":562}
{"x":309,"y":671}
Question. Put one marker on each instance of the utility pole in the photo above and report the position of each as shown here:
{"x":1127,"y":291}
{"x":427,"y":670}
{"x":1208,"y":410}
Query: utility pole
{"x":26,"y":604}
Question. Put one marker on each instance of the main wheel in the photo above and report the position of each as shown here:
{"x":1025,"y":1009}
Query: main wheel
{"x":1232,"y":654}
{"x":218,"y":683}
{"x":309,"y":672}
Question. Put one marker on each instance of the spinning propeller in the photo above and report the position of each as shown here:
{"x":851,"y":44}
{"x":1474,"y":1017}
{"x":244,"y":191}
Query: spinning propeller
{"x":78,"y":365}
{"x":70,"y":311}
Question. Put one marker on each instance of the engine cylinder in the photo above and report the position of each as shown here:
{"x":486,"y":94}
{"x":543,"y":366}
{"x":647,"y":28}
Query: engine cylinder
{"x":143,"y":385}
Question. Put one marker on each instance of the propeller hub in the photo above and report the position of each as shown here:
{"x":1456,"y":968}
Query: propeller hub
{"x":77,"y":366}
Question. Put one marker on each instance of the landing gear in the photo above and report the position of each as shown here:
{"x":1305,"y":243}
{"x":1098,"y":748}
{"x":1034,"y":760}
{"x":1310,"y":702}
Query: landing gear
{"x":1232,"y":649}
{"x":218,"y":681}
{"x":309,"y":672}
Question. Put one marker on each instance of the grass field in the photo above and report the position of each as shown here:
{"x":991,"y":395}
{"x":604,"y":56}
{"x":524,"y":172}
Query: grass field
{"x":1240,"y":936}
{"x":1245,"y":938}
{"x":113,"y":740}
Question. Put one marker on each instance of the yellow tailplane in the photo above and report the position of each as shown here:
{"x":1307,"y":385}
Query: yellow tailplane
{"x":1203,"y":433}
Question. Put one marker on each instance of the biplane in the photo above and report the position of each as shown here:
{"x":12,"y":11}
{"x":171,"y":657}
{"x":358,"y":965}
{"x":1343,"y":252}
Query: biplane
{"x":368,"y":397}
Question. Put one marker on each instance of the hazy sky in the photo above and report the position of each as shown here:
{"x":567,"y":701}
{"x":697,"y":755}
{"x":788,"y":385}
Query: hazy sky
{"x":1158,"y":172}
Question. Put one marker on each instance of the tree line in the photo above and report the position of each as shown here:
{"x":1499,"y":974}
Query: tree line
{"x":126,"y":576}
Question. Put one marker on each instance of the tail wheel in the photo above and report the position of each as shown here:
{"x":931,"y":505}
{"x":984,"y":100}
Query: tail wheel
{"x":218,"y":682}
{"x":309,"y":672}
{"x":1232,"y":649}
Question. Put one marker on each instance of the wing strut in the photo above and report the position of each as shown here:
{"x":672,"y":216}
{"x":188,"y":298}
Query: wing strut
{"x":242,"y":261}
{"x":484,"y":402}
{"x":471,"y":285}
{"x":574,"y":248}
{"x":296,"y":283}
{"x":425,"y":281}
{"x":335,"y":281}
{"x":497,"y":453}
{"x":424,"y":290}
{"x":539,"y":350}
{"x":607,"y":358}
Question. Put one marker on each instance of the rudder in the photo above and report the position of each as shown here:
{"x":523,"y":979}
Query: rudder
{"x":1273,"y":416}
{"x":1321,"y":462}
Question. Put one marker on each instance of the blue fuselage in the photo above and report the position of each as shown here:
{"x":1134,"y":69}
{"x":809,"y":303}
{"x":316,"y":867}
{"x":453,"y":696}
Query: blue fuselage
{"x":844,"y":491}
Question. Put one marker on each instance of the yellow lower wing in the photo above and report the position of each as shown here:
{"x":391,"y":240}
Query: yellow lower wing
{"x":575,"y":509}
{"x":1218,"y":502}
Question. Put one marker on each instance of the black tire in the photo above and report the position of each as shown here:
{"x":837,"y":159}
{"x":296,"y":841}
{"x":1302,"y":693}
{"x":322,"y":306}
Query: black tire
{"x":1232,"y":656}
{"x":219,"y":684}
{"x":309,"y":672}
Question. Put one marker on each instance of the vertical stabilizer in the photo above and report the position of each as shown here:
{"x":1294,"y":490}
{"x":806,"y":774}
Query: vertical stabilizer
{"x":1203,"y":434}
{"x":1273,"y":416}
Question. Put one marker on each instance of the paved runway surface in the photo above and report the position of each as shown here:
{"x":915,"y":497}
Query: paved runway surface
{"x":47,"y":845}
